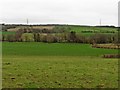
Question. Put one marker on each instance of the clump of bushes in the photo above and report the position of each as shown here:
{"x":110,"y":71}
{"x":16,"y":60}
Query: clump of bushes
{"x":96,"y":31}
{"x":89,"y":31}
{"x":107,"y":46}
{"x":111,"y":56}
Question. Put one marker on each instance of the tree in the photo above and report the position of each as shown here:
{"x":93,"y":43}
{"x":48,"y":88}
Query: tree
{"x":18,"y":35}
{"x":3,"y":37}
{"x":37,"y":37}
{"x":11,"y":38}
{"x":99,"y":38}
{"x":72,"y":36}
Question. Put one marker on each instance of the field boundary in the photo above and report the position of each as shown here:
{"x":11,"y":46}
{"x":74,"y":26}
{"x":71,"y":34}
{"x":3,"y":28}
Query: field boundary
{"x":106,"y":46}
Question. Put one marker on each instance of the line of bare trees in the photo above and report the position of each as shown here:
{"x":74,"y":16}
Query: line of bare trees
{"x":71,"y":37}
{"x":13,"y":37}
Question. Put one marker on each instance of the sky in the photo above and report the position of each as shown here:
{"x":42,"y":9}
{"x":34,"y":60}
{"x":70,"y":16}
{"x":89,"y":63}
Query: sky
{"x":76,"y":12}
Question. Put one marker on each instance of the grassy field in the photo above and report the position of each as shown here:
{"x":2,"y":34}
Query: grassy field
{"x":44,"y":65}
{"x":78,"y":29}
{"x":8,"y":33}
{"x":53,"y":49}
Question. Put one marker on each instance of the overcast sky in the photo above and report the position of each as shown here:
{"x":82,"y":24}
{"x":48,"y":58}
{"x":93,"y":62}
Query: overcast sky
{"x":81,"y":12}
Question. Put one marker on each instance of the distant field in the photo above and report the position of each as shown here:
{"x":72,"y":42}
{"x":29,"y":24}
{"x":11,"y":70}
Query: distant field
{"x":90,"y":34}
{"x":43,"y":27}
{"x":55,"y":65}
{"x":33,"y":27}
{"x":13,"y":29}
{"x":79,"y":29}
{"x":7,"y":33}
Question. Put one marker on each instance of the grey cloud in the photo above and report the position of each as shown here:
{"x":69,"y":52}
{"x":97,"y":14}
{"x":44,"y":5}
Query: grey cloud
{"x":87,"y":12}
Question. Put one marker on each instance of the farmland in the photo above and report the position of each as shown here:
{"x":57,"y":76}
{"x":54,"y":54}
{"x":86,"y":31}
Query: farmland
{"x":57,"y":65}
{"x":6,"y":33}
{"x":68,"y":28}
{"x":53,"y":49}
{"x":60,"y":33}
{"x":59,"y":56}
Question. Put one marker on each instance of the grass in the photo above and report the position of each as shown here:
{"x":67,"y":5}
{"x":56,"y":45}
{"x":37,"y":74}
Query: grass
{"x":78,"y":29}
{"x":91,"y":34}
{"x":59,"y":71}
{"x":53,"y":49}
{"x":8,"y":33}
{"x":43,"y":65}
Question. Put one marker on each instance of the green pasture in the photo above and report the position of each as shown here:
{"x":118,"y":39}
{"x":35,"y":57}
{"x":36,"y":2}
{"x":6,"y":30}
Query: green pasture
{"x":7,"y":33}
{"x":91,"y":34}
{"x":52,"y":49}
{"x":59,"y":72}
{"x":57,"y":65}
{"x":99,"y":29}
